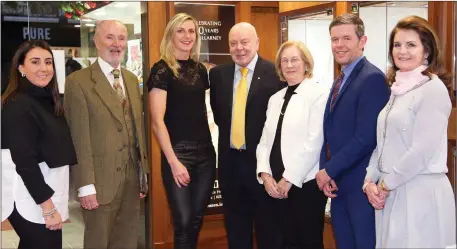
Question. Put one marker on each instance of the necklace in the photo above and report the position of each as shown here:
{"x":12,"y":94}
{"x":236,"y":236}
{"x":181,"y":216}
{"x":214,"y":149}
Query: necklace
{"x":389,"y":108}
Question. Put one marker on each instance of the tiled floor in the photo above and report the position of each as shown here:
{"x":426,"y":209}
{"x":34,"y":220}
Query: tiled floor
{"x":72,"y":232}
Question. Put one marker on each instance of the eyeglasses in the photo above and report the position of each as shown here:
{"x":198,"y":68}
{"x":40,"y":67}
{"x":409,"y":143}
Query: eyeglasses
{"x":294,"y":60}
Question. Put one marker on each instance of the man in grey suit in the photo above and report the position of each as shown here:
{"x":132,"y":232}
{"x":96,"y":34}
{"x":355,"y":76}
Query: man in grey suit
{"x":104,"y":111}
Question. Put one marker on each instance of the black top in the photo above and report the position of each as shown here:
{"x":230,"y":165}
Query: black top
{"x":185,"y":115}
{"x":33,"y":134}
{"x":276,"y":163}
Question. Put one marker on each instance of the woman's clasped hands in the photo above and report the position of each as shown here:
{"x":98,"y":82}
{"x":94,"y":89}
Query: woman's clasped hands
{"x":376,"y":195}
{"x":278,"y":190}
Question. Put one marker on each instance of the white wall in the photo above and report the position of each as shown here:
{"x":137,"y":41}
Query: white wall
{"x":379,"y":22}
{"x":315,"y":35}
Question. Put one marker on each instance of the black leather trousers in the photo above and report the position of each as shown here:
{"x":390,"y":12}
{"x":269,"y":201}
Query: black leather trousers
{"x":188,"y":204}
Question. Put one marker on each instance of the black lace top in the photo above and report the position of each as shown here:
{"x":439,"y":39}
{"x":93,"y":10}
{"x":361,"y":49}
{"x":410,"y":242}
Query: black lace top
{"x":185,"y":116}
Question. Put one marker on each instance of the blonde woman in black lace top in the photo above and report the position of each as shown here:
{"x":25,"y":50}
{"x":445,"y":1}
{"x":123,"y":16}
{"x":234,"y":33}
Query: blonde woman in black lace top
{"x":177,"y":85}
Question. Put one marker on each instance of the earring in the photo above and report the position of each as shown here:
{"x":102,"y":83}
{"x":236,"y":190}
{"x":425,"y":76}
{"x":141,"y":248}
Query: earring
{"x":426,"y":61}
{"x":23,"y":75}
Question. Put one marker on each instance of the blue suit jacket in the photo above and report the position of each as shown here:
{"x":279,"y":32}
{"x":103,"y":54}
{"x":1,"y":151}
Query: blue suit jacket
{"x":350,"y":128}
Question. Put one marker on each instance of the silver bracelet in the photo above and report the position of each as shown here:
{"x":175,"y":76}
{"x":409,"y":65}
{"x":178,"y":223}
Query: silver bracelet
{"x":50,"y":213}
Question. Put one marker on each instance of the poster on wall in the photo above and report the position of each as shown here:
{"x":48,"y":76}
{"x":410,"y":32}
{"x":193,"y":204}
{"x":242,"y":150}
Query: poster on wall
{"x":134,"y":59}
{"x":59,"y":62}
{"x":215,"y":22}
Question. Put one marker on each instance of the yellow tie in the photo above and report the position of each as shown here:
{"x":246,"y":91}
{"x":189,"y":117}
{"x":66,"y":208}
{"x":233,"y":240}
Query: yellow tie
{"x":239,"y":110}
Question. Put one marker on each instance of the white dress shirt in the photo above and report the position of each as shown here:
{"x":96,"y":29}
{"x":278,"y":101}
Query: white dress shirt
{"x":301,"y":132}
{"x":107,"y":70}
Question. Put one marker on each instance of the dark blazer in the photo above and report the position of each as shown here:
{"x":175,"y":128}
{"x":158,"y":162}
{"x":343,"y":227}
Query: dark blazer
{"x":350,"y":129}
{"x":264,"y":83}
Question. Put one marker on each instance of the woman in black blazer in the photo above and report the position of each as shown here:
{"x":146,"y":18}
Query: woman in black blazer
{"x":36,"y":142}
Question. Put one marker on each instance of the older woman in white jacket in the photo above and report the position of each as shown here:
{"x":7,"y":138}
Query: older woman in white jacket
{"x":406,"y":180}
{"x":288,"y":152}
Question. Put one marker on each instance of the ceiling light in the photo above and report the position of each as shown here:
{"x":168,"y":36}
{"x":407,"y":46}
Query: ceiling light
{"x":120,"y":5}
{"x":90,"y":25}
{"x":100,"y":13}
{"x":77,"y":26}
{"x":392,"y":4}
{"x":86,"y":20}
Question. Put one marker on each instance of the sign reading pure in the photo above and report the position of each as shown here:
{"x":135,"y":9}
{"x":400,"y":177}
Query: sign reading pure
{"x":36,"y":33}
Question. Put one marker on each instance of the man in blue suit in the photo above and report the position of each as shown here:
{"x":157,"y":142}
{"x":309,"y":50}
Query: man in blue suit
{"x":356,"y":98}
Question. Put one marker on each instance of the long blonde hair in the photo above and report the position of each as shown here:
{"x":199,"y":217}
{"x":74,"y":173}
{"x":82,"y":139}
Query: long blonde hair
{"x":167,"y":46}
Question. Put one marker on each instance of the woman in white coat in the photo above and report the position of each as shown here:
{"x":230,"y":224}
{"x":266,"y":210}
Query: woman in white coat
{"x":406,"y":179}
{"x":288,"y":152}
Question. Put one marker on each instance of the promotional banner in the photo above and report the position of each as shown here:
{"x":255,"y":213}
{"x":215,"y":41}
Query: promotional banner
{"x":215,"y":22}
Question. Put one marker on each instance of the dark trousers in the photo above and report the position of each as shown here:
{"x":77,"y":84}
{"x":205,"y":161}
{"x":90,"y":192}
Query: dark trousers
{"x":188,"y":204}
{"x":302,"y":217}
{"x":34,"y":235}
{"x":353,"y":221}
{"x":247,"y":206}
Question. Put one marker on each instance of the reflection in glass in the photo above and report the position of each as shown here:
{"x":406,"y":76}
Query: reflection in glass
{"x":313,"y":31}
{"x":379,"y":20}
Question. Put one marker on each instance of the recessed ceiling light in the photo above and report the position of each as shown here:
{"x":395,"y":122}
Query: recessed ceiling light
{"x":90,"y":25}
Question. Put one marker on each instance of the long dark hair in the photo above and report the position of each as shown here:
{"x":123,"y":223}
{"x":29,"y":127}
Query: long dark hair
{"x":15,"y":76}
{"x":429,"y":40}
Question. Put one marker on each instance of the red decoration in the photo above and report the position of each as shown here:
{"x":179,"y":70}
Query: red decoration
{"x":76,"y":9}
{"x":79,"y":12}
{"x":92,"y":4}
{"x":68,"y":15}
